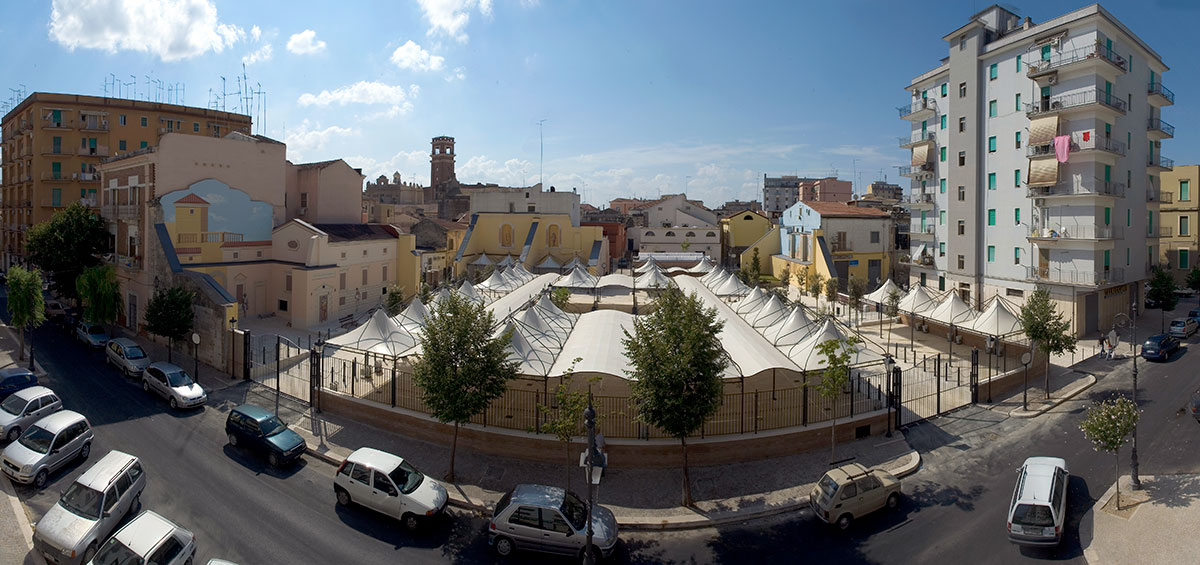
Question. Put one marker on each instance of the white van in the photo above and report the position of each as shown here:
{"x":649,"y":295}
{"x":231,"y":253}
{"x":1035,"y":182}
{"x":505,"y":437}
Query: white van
{"x":1039,"y":502}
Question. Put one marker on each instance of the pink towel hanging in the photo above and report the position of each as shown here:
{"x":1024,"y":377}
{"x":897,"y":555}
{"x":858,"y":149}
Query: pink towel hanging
{"x":1062,"y":147}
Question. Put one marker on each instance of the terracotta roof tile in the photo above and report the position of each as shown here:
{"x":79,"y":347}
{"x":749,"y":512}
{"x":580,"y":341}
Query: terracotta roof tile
{"x":191,"y":199}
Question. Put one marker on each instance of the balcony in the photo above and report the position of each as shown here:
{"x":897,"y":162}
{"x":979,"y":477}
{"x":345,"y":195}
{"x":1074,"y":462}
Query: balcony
{"x":99,"y":151}
{"x":1107,"y":276}
{"x":926,"y":232}
{"x":1163,"y":231}
{"x":840,"y":246}
{"x":926,"y":200}
{"x":925,"y":260}
{"x":1089,"y":100}
{"x":127,"y":262}
{"x":52,"y":150}
{"x":917,"y":139}
{"x":92,"y":123}
{"x":89,"y":177}
{"x":59,"y":177}
{"x":919,"y":109}
{"x":1159,"y":95}
{"x":1160,"y":164}
{"x":1159,"y":130}
{"x":917,"y":171}
{"x":124,"y":211}
{"x":51,"y":203}
{"x":61,"y":123}
{"x":1094,"y":188}
{"x":1091,"y":56}
{"x":1094,"y":143}
{"x":208,"y":237}
{"x":1073,"y":233}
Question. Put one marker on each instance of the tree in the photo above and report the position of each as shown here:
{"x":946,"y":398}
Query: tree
{"x":393,"y":303}
{"x":1108,"y":425}
{"x":891,"y":307}
{"x":560,"y":296}
{"x":1045,"y":327}
{"x":1162,"y":291}
{"x":462,"y":367}
{"x":66,"y":244}
{"x":755,"y":268}
{"x":100,"y":293}
{"x":813,"y":282}
{"x":25,"y":302}
{"x":169,"y":314}
{"x":1193,"y":279}
{"x":837,"y":353}
{"x":565,"y":418}
{"x":856,"y":289}
{"x":785,"y":276}
{"x":831,"y":293}
{"x":677,"y":364}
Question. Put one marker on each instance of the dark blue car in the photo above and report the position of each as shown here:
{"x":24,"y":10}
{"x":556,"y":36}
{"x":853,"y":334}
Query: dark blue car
{"x":13,"y":379}
{"x":1159,"y":347}
{"x":256,"y":429}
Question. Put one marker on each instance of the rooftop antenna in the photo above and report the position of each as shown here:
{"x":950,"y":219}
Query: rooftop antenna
{"x":133,"y":83}
{"x":541,"y":154}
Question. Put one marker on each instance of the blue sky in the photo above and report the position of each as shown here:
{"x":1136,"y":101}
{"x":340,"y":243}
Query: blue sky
{"x":639,"y":98}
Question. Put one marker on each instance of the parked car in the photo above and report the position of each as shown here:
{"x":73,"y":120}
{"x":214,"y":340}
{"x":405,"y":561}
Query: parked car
{"x":55,"y":312}
{"x":551,"y":520}
{"x":390,"y":485}
{"x":1159,"y":347}
{"x":1194,"y":406}
{"x":24,"y":407}
{"x":1183,"y":328}
{"x":173,"y":383}
{"x":1039,"y":502}
{"x":851,"y":491}
{"x":1195,"y":315}
{"x":90,"y":509}
{"x":148,"y":538}
{"x":49,"y":444}
{"x":256,"y":429}
{"x":127,"y":355}
{"x":92,"y":334}
{"x":13,"y":379}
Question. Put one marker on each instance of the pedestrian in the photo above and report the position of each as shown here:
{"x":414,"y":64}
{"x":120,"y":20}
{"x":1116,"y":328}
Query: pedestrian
{"x":1101,"y":345}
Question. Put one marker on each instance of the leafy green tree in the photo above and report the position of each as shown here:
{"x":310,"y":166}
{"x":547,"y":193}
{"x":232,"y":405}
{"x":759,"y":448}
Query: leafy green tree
{"x":677,"y":364}
{"x":837,"y":353}
{"x":1193,"y":279}
{"x":1045,"y":327}
{"x":1108,"y":425}
{"x":560,"y":296}
{"x":462,"y":367}
{"x":1162,"y":291}
{"x":891,"y":307}
{"x":814,"y":282}
{"x":565,"y":416}
{"x":26,"y":305}
{"x":425,"y":294}
{"x":785,"y":276}
{"x":100,"y":293}
{"x":393,"y":303}
{"x":856,"y":289}
{"x":755,"y":267}
{"x":831,"y":293}
{"x":66,"y":244}
{"x":169,"y":314}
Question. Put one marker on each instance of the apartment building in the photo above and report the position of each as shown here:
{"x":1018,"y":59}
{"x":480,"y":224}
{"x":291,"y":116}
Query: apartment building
{"x":1179,"y":213}
{"x":838,"y":241}
{"x":52,"y":144}
{"x":1035,"y":150}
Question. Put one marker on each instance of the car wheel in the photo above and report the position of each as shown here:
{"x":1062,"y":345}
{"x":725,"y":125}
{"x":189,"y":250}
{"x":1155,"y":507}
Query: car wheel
{"x":145,"y":385}
{"x":893,"y":500}
{"x":89,"y":553}
{"x":232,"y":440}
{"x":85,"y":451}
{"x":843,"y":522}
{"x":504,"y":546}
{"x":173,"y":403}
{"x":410,"y":522}
{"x":39,"y":480}
{"x":133,"y":506}
{"x":273,"y":459}
{"x":343,"y":497}
{"x":14,"y":433}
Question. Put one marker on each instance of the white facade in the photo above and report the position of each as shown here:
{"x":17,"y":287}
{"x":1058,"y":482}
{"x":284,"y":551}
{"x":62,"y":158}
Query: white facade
{"x":997,"y":209}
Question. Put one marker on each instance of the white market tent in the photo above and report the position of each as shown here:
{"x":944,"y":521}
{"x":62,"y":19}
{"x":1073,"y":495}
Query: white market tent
{"x":537,"y":328}
{"x":533,"y":357}
{"x":713,"y":275}
{"x":506,"y":261}
{"x":496,"y":282}
{"x":917,"y":301}
{"x":996,"y":320}
{"x":790,"y":330}
{"x":596,"y":342}
{"x":652,"y":279}
{"x":573,"y":263}
{"x":750,"y":302}
{"x":577,"y":278}
{"x":649,"y":264}
{"x":442,"y":294}
{"x":520,"y":272}
{"x":731,"y":286}
{"x":805,"y":355}
{"x":953,"y":310}
{"x":413,"y":316}
{"x":517,"y":298}
{"x":705,"y":265}
{"x":749,"y":352}
{"x":467,"y":290}
{"x":379,"y":334}
{"x":615,"y":280}
{"x":553,"y":315}
{"x":879,"y":296}
{"x":769,"y":314}
{"x":482,"y":261}
{"x":549,"y":264}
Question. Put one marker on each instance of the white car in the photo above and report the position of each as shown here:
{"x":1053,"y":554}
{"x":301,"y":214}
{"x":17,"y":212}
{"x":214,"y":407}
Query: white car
{"x":127,"y":355}
{"x":173,"y":383}
{"x":1039,"y":503}
{"x":46,"y":446}
{"x":1183,"y":328}
{"x":25,"y":407}
{"x":148,"y":538}
{"x":388,"y":484}
{"x":90,"y":509}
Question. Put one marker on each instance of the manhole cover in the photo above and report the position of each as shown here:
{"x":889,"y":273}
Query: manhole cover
{"x":494,"y":473}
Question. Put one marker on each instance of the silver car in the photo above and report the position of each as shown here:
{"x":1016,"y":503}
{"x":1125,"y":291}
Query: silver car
{"x":90,"y":509}
{"x":148,"y":538}
{"x":92,"y":334}
{"x":551,"y":520}
{"x":46,"y":446}
{"x":173,"y":383}
{"x":25,"y":407}
{"x":127,"y":355}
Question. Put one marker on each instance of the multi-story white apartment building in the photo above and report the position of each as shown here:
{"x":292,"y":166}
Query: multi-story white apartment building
{"x":1036,"y":161}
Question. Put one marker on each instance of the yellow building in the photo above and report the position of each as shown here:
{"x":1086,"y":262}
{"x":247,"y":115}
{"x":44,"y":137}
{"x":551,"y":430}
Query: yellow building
{"x":531,"y":238}
{"x":739,"y":231}
{"x":1178,"y":213}
{"x":837,"y":241}
{"x":53,"y":144}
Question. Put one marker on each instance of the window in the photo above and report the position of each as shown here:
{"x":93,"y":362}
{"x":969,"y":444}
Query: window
{"x":56,"y":197}
{"x":1018,"y":63}
{"x":167,"y":552}
{"x":962,"y":227}
{"x":962,"y":42}
{"x":342,"y":281}
{"x":364,"y":252}
{"x":341,"y":301}
{"x":384,"y":273}
{"x":121,"y":119}
{"x":962,"y":262}
{"x":992,"y":144}
{"x":962,"y":90}
{"x":944,"y":85}
{"x":1183,"y":259}
{"x":874,"y":237}
{"x":195,"y":127}
{"x":962,"y":123}
{"x":1016,"y":255}
{"x":364,"y":277}
{"x":1185,"y":193}
{"x":942,"y":187}
{"x":992,"y":108}
{"x":941,"y":283}
{"x":287,"y":282}
{"x":942,"y":250}
{"x":121,"y":145}
{"x":1107,"y":216}
{"x":1017,"y":178}
{"x":283,"y":305}
{"x":1045,"y":52}
{"x":991,"y":181}
{"x":1018,"y":137}
{"x":111,"y":498}
{"x":942,"y":155}
{"x":1183,"y":226}
{"x":1016,"y":216}
{"x":303,"y":199}
{"x":991,"y":253}
{"x":962,"y":194}
{"x":992,"y":71}
{"x":142,"y":145}
{"x":943,"y":121}
{"x":526,"y":516}
{"x":962,"y":158}
{"x":384,"y":485}
{"x":991,"y":216}
{"x":1018,"y":104}
{"x":144,"y":121}
{"x":942,"y":218}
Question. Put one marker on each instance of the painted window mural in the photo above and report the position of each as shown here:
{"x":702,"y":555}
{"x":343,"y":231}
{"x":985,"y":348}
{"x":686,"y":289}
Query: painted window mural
{"x":208,"y":219}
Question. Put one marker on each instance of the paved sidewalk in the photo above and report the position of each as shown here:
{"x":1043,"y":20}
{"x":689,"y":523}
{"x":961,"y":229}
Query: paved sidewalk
{"x":1155,"y":525}
{"x":16,"y":535}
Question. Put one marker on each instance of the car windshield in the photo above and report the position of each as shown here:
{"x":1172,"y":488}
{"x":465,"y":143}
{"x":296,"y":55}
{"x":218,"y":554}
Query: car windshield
{"x":406,"y":477}
{"x":574,"y":510}
{"x":14,"y":405}
{"x":828,"y":486}
{"x":95,"y":330}
{"x":179,"y":378}
{"x":82,"y":501}
{"x":134,"y":352}
{"x":1033,"y":515}
{"x":271,"y":426}
{"x":37,"y":439}
{"x":115,"y":553}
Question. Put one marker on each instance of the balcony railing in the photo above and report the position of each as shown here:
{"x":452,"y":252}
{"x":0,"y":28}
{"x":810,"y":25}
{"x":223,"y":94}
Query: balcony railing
{"x":94,"y":124}
{"x":1058,"y":60}
{"x":1159,"y":89}
{"x":916,"y":138}
{"x":1159,"y":125}
{"x":1074,"y":232}
{"x":836,"y":246}
{"x":1076,"y":99}
{"x":909,"y":171}
{"x":919,"y":105}
{"x":919,"y":199}
{"x":1095,"y":187}
{"x":60,"y":176}
{"x":52,"y":150}
{"x":1163,"y":231}
{"x":99,"y":151}
{"x":1166,"y":197}
{"x":918,"y":229}
{"x":1160,"y":161}
{"x":124,"y":211}
{"x":127,"y":261}
{"x":63,"y":123}
{"x":1094,"y":143}
{"x":1109,"y":275}
{"x":89,"y":176}
{"x":208,"y":237}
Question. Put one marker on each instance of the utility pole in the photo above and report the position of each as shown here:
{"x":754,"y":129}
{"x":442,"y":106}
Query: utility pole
{"x":1122,"y":320}
{"x":589,"y":420}
{"x":541,"y":153}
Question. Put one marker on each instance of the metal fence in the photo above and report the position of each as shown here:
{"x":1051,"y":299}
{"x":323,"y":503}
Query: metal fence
{"x":278,"y":363}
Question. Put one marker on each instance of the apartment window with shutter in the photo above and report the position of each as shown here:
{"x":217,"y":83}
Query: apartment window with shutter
{"x":1183,"y":259}
{"x":962,"y":227}
{"x":364,"y":278}
{"x":121,"y":119}
{"x":1185,"y":193}
{"x":943,"y":121}
{"x":287,"y":283}
{"x":942,"y":155}
{"x":1018,"y":105}
{"x":1016,"y":255}
{"x":992,"y":71}
{"x":944,"y":85}
{"x":962,"y":158}
{"x":992,"y":144}
{"x":962,"y":90}
{"x":992,"y":109}
{"x":1018,"y":63}
{"x":942,"y":187}
{"x":962,"y":123}
{"x":991,"y":216}
{"x":991,"y":253}
{"x":941,"y":217}
{"x":941,"y":249}
{"x":385,"y":273}
{"x":303,"y":199}
{"x":145,"y":122}
{"x":962,"y":194}
{"x":1183,"y":226}
{"x":1017,"y":178}
{"x":962,"y":262}
{"x":342,"y":281}
{"x":1016,"y":216}
{"x":991,"y":181}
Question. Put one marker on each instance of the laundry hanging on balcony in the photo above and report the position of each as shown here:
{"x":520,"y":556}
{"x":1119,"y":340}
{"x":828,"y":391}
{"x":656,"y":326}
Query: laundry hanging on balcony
{"x":1062,"y":147}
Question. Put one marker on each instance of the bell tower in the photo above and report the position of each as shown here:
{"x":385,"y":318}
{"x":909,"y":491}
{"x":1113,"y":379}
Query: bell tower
{"x":441,"y":163}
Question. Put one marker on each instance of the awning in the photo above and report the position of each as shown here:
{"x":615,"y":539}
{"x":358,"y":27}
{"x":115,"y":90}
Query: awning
{"x":1043,"y":130}
{"x":920,"y":154}
{"x":1043,"y":172}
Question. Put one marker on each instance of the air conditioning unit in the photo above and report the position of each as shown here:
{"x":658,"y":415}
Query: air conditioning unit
{"x":1039,"y":202}
{"x":1052,"y":80}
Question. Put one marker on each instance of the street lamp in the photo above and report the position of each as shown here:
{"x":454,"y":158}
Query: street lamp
{"x":196,"y":356}
{"x":888,"y":363}
{"x":1025,"y":359}
{"x":1122,"y":320}
{"x":595,"y":461}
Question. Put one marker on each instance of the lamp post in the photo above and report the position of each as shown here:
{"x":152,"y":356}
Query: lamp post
{"x":888,"y":363}
{"x":1122,"y":320}
{"x":1025,"y":359}
{"x":591,"y":461}
{"x":196,"y":356}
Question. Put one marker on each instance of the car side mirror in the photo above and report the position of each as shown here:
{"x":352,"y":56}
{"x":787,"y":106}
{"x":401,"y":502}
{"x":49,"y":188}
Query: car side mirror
{"x":106,"y":514}
{"x":570,"y":533}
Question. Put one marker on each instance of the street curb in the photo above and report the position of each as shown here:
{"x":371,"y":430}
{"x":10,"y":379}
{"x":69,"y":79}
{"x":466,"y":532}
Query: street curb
{"x":18,"y":509}
{"x":38,"y":370}
{"x":1065,"y":394}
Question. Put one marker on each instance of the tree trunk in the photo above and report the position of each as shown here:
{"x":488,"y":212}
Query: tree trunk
{"x":21,"y":337}
{"x":833,"y":437}
{"x":453,"y":450}
{"x":567,"y":451}
{"x":1047,"y":375}
{"x":687,"y":481}
{"x":1117,"y":453}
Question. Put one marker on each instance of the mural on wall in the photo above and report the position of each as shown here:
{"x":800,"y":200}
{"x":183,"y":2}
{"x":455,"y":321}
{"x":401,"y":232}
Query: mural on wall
{"x":209,"y":214}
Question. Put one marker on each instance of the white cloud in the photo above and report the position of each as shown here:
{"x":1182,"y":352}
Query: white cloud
{"x":310,"y":138}
{"x":412,"y":165}
{"x":260,"y":55}
{"x":412,"y":56}
{"x":362,"y":92}
{"x":171,"y":30}
{"x":459,"y":73}
{"x":255,"y":33}
{"x":305,"y":43}
{"x":450,"y":17}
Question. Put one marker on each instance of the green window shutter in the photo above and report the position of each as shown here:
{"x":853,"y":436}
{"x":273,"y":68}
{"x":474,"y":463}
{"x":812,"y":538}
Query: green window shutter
{"x":56,"y":117}
{"x":56,"y":196}
{"x":942,"y":248}
{"x":991,"y":253}
{"x":1106,"y":256}
{"x":1107,"y":216}
{"x":991,"y":108}
{"x":992,"y":144}
{"x":1045,"y":52}
{"x":1016,"y":216}
{"x":83,"y":193}
{"x":1017,"y":178}
{"x":942,"y":156}
{"x":943,"y":89}
{"x":943,"y":186}
{"x":1045,"y":92}
{"x":924,"y":128}
{"x":992,"y":71}
{"x":57,"y":142}
{"x":942,"y":217}
{"x":923,"y":219}
{"x":1016,"y":255}
{"x":1018,"y":102}
{"x":943,"y":121}
{"x":91,"y":142}
{"x":942,"y":281}
{"x":1184,"y":191}
{"x":1150,"y":221}
{"x":56,"y":169}
{"x":991,"y":181}
{"x":143,"y":145}
{"x":1018,"y":140}
{"x":1018,"y":63}
{"x":991,"y":216}
{"x":1108,"y":173}
{"x":1183,"y":258}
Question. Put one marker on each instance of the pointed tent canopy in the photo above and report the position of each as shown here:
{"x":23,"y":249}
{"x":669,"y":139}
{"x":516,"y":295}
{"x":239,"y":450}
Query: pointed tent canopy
{"x":731,"y":286}
{"x":996,"y":320}
{"x":879,"y":296}
{"x":750,"y":302}
{"x":712,"y":276}
{"x":531,"y":359}
{"x":574,"y":262}
{"x":379,"y":334}
{"x":442,"y":294}
{"x":652,"y":279}
{"x":917,"y":301}
{"x":705,"y":265}
{"x":495,"y":282}
{"x":806,"y":356}
{"x":953,"y":310}
{"x":548,"y":263}
{"x":468,"y":290}
{"x":649,"y":264}
{"x":790,"y":330}
{"x":482,"y":260}
{"x":522,"y":273}
{"x":770,"y":313}
{"x":553,"y":315}
{"x":412,"y":316}
{"x":653,"y":268}
{"x":577,"y":278}
{"x":507,"y":261}
{"x":537,"y":329}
